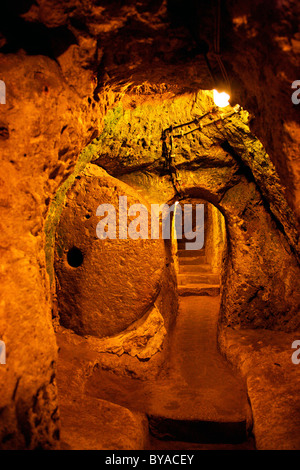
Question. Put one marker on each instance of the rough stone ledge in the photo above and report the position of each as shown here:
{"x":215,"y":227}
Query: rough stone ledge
{"x":142,"y":339}
{"x":211,"y":290}
{"x":264,"y":357}
{"x":93,"y":424}
{"x":137,"y":352}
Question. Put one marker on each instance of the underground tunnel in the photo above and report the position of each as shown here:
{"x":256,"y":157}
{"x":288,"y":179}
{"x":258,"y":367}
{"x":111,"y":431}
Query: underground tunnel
{"x":150,"y":291}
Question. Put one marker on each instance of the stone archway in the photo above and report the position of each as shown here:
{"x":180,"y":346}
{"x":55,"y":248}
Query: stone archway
{"x":227,"y":166}
{"x":258,"y":288}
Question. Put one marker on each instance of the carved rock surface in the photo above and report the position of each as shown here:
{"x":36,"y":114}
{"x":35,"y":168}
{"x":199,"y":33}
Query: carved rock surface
{"x":118,"y":280}
{"x":143,"y":339}
{"x":227,"y":166}
{"x":55,"y":58}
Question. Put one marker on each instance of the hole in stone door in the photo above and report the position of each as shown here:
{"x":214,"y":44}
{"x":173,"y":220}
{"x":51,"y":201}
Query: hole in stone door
{"x":75,"y":257}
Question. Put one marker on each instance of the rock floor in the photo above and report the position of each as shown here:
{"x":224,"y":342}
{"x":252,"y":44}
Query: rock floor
{"x":197,"y":402}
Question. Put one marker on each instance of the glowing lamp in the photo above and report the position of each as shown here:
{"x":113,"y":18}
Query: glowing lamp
{"x":221,"y":99}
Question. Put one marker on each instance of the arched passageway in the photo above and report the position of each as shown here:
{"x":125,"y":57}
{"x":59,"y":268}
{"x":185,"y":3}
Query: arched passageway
{"x":199,"y":252}
{"x":122,"y":299}
{"x":117,"y":75}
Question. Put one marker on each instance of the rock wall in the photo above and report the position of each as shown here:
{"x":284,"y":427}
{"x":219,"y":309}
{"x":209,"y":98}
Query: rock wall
{"x":117,"y":279}
{"x":265,"y":40}
{"x":120,"y":290}
{"x":32,"y":168}
{"x":63,"y":63}
{"x":44,"y":125}
{"x":215,"y":238}
{"x":259,"y":45}
{"x":225,"y":164}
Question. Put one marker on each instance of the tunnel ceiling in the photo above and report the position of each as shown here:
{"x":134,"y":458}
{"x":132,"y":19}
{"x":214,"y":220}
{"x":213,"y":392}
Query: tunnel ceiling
{"x":217,"y":149}
{"x":157,"y":46}
{"x":222,"y":162}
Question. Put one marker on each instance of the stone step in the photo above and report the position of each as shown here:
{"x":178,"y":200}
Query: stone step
{"x":194,"y":268}
{"x":198,"y":278}
{"x":191,"y":257}
{"x":198,"y":398}
{"x":231,"y":431}
{"x":192,"y":260}
{"x":207,"y":401}
{"x":199,"y":289}
{"x":181,"y":243}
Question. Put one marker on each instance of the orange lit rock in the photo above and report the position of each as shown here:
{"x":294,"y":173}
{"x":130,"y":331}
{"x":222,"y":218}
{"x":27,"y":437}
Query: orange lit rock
{"x":233,"y":171}
{"x":118,"y":280}
{"x":142,"y":339}
{"x":65,"y":64}
{"x":93,"y":424}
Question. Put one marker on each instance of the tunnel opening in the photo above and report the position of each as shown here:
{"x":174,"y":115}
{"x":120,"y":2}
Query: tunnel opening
{"x":199,"y":270}
{"x":190,"y":365}
{"x":182,"y":358}
{"x":105,"y":100}
{"x":150,"y":312}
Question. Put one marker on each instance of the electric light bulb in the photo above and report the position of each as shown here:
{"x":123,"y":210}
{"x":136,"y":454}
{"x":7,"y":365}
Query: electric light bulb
{"x":221,"y":99}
